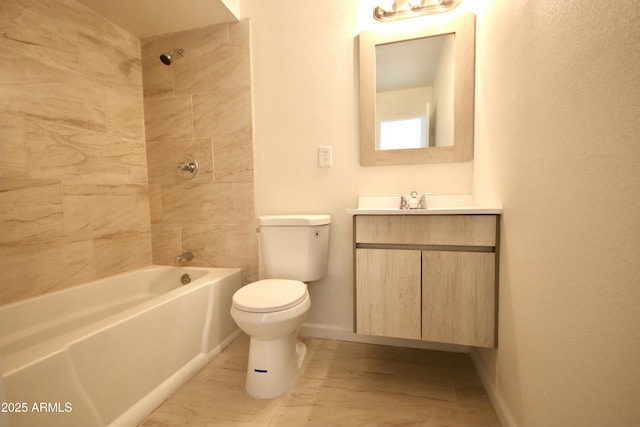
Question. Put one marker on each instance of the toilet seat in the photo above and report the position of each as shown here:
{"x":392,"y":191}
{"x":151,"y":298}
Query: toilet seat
{"x":270,"y":295}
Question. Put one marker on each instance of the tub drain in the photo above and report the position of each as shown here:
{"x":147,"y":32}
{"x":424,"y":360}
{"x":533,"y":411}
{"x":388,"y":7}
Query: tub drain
{"x":185,"y":279}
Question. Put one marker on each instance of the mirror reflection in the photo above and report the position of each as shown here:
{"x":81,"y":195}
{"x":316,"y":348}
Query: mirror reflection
{"x":414,"y":93}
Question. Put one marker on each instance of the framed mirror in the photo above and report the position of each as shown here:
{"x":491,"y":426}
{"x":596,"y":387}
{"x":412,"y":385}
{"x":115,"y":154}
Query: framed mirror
{"x":417,"y":94}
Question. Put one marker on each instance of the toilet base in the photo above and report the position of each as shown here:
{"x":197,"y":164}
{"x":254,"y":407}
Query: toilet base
{"x":274,"y":366}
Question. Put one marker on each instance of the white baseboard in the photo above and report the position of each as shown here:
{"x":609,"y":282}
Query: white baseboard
{"x":500,"y":406}
{"x":340,"y":334}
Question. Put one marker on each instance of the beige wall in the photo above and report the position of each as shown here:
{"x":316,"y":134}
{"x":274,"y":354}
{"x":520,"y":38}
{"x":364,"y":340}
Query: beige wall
{"x":201,"y":105}
{"x":73,"y":181}
{"x":556,"y":143}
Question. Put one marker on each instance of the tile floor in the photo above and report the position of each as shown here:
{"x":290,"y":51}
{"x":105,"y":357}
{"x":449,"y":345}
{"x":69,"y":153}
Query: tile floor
{"x":341,"y":384}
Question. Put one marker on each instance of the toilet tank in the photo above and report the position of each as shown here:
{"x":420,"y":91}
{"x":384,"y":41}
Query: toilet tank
{"x":295,"y":246}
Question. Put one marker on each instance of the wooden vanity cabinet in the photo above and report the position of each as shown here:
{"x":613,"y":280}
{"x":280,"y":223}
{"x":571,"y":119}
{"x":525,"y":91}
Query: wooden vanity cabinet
{"x":429,"y":277}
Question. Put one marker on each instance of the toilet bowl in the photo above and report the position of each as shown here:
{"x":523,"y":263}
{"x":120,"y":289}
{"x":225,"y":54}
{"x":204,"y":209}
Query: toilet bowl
{"x":270,"y":311}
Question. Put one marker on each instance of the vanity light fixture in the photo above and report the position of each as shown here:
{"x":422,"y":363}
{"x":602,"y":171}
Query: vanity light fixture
{"x":402,"y":9}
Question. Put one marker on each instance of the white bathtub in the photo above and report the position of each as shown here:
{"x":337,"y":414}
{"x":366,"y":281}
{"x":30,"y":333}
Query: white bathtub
{"x":110,"y":351}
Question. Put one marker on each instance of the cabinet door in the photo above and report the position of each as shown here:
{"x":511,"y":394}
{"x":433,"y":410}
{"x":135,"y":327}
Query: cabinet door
{"x":458,"y":297}
{"x":388,"y":292}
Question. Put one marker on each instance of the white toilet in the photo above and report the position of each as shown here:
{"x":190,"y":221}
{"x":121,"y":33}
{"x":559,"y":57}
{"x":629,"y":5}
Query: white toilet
{"x":294,"y":250}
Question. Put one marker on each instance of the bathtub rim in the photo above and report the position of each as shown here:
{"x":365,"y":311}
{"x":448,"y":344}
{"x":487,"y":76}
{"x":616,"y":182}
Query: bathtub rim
{"x":14,"y":362}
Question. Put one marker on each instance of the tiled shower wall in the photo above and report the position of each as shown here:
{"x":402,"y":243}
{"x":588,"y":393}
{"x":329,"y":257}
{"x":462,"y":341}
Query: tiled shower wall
{"x":201,"y":105}
{"x":74,"y":200}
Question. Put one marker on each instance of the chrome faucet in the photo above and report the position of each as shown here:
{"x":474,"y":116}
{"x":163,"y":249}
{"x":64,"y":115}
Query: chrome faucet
{"x":412,"y":201}
{"x":187,"y":256}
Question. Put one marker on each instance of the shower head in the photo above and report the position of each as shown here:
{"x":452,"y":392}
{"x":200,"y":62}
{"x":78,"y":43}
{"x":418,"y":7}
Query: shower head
{"x":167,"y":57}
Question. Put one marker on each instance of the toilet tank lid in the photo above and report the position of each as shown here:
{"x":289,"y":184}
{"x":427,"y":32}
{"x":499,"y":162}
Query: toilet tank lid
{"x":267,"y":220}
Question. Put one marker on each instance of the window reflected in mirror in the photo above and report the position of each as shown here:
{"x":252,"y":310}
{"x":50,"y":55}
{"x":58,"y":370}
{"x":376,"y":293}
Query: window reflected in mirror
{"x":402,"y":134}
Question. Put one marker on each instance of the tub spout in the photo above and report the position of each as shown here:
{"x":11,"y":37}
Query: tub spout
{"x":187,"y":256}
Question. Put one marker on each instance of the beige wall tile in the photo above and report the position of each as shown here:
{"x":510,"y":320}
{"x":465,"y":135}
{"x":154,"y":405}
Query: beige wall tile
{"x":38,"y":30}
{"x":155,"y":203}
{"x":13,"y":152}
{"x":83,"y":156}
{"x":207,"y":70}
{"x":158,"y":78}
{"x":198,"y":203}
{"x":79,"y":263}
{"x":123,"y":251}
{"x":110,"y":60}
{"x":123,"y":112}
{"x":216,"y":114}
{"x":239,"y":34}
{"x":233,"y":156}
{"x":243,"y":203}
{"x":72,"y":157}
{"x":218,"y":59}
{"x":168,"y":118}
{"x":166,"y":242}
{"x":30,"y":210}
{"x":86,"y":19}
{"x":62,"y":98}
{"x":195,"y":72}
{"x":32,"y":268}
{"x":96,"y":210}
{"x":21,"y":276}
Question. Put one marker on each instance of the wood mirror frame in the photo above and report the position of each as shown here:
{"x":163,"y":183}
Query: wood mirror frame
{"x":463,"y":26}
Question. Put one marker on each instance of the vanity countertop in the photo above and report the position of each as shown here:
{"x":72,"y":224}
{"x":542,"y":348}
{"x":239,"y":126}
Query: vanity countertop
{"x":472,"y":210}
